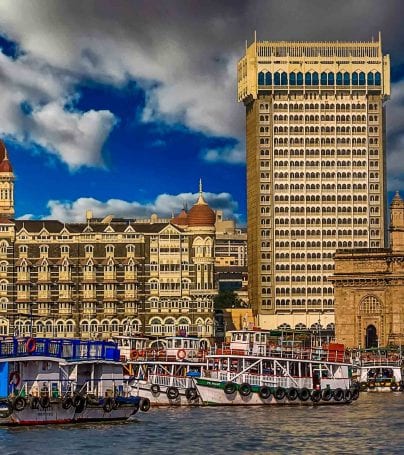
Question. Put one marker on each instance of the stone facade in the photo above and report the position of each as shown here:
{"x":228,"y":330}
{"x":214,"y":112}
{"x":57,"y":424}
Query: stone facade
{"x":105,"y":277}
{"x":369,"y":290}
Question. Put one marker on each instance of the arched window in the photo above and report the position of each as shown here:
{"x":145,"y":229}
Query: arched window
{"x":371,"y":79}
{"x":339,"y":78}
{"x":362,"y":78}
{"x":277,"y":79}
{"x":261,"y":78}
{"x":330,"y":79}
{"x":323,"y":78}
{"x":314,"y":79}
{"x":284,"y":79}
{"x":292,"y":78}
{"x":299,"y":78}
{"x":346,"y":79}
{"x":378,"y":80}
{"x":155,"y":326}
{"x":268,"y":79}
{"x":370,"y":305}
{"x":355,"y":79}
{"x":307,"y":79}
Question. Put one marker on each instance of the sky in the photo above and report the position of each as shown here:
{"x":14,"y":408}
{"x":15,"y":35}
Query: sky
{"x":122,"y":106}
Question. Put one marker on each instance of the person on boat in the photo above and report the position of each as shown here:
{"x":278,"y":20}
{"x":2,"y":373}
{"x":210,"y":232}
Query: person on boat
{"x":44,"y":390}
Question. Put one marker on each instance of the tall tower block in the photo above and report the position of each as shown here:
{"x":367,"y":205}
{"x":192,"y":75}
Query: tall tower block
{"x":315,"y":126}
{"x":6,"y":184}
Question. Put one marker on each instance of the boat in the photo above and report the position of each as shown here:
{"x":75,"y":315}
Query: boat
{"x":52,"y":381}
{"x":378,"y":369}
{"x":258,"y":367}
{"x":165,"y":371}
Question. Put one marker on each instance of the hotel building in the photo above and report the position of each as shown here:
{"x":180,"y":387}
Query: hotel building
{"x":105,"y":277}
{"x":315,"y":135}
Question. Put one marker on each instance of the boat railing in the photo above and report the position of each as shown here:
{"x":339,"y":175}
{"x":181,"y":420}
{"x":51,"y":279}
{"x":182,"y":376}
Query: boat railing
{"x":166,"y":356}
{"x":170,"y":381}
{"x":67,"y":349}
{"x":257,"y":379}
{"x":42,"y":388}
{"x":276,"y":351}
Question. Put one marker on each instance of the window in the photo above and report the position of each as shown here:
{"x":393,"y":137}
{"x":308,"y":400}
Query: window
{"x":377,"y":78}
{"x":362,"y":80}
{"x":292,"y":78}
{"x":64,"y":249}
{"x":23,"y":249}
{"x":371,"y":79}
{"x":89,"y":249}
{"x":109,"y":249}
{"x":268,"y":79}
{"x":323,"y":78}
{"x":355,"y":79}
{"x":346,"y":79}
{"x":43,"y":249}
{"x":299,"y":78}
{"x":261,"y":78}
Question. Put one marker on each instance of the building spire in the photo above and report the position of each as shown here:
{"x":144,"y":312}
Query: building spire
{"x":201,"y":200}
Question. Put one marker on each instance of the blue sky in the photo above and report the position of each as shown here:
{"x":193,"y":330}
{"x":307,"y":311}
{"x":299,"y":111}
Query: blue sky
{"x":122,"y":106}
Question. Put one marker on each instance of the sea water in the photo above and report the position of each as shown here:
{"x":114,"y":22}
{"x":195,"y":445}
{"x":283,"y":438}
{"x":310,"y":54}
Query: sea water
{"x":372,"y":425}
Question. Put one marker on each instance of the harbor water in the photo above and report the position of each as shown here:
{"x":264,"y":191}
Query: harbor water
{"x":373,"y":424}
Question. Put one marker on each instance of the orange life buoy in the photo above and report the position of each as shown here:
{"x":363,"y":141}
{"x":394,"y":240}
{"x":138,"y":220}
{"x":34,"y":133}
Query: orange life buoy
{"x":14,"y":378}
{"x":181,"y":354}
{"x":30,"y":345}
{"x":134,"y":354}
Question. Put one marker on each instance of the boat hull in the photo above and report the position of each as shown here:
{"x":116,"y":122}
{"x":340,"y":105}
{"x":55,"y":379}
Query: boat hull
{"x":161,"y":399}
{"x":212,"y":393}
{"x":52,"y":415}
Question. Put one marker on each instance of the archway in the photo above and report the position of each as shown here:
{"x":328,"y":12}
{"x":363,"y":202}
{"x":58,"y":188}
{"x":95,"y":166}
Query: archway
{"x":371,"y":340}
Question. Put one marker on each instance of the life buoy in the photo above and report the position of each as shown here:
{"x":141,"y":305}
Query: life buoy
{"x":326,"y":394}
{"x":67,"y":403}
{"x":245,"y":389}
{"x":229,"y":388}
{"x":279,"y":393}
{"x":30,"y":345}
{"x":363,"y":386}
{"x":172,"y":393}
{"x":191,"y":393}
{"x":355,"y":394}
{"x":292,"y":394}
{"x":34,"y":403}
{"x":155,"y":389}
{"x":264,"y":392}
{"x":144,"y":404}
{"x":45,"y":402}
{"x":19,"y":403}
{"x":315,"y":396}
{"x":134,"y":354}
{"x":304,"y":394}
{"x":14,"y":378}
{"x":181,"y":354}
{"x":108,"y":404}
{"x":338,"y":394}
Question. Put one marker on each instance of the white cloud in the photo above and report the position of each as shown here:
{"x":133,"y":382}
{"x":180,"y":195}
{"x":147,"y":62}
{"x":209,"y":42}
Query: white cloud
{"x":183,"y":55}
{"x":164,"y":206}
{"x":75,"y":137}
{"x":228,"y":154}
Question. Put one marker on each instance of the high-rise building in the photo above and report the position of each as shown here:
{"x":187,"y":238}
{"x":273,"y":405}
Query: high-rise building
{"x":315,"y":135}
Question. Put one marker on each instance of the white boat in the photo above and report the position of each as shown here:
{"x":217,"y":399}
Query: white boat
{"x":256,"y":368}
{"x":47,"y":381}
{"x":164,"y":372}
{"x":378,"y":370}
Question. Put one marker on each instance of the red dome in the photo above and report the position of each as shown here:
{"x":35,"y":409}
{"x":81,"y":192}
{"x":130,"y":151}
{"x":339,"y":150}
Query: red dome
{"x":5,"y":166}
{"x":201,"y":214}
{"x":181,"y":219}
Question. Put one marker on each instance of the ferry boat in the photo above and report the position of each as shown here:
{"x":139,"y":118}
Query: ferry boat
{"x":164,"y":372}
{"x":257,"y":368}
{"x":378,"y":370}
{"x":45,"y":381}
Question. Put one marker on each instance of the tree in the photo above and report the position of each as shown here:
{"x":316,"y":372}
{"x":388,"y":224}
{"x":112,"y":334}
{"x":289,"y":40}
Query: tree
{"x":228,"y":299}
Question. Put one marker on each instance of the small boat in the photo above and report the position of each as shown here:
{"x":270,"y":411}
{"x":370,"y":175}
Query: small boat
{"x":45,"y":381}
{"x":378,"y":370}
{"x":259,"y":368}
{"x":164,"y":373}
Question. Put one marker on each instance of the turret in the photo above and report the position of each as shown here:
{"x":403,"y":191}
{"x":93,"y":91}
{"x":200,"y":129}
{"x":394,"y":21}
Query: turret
{"x":6,"y":184}
{"x":397,"y":223}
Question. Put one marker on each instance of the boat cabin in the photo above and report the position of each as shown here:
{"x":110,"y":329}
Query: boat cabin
{"x":250,"y":341}
{"x":128,"y":344}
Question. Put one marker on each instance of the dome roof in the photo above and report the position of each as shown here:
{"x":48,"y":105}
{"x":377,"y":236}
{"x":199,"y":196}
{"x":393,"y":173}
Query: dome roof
{"x":5,"y":165}
{"x":201,"y":214}
{"x":181,"y":219}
